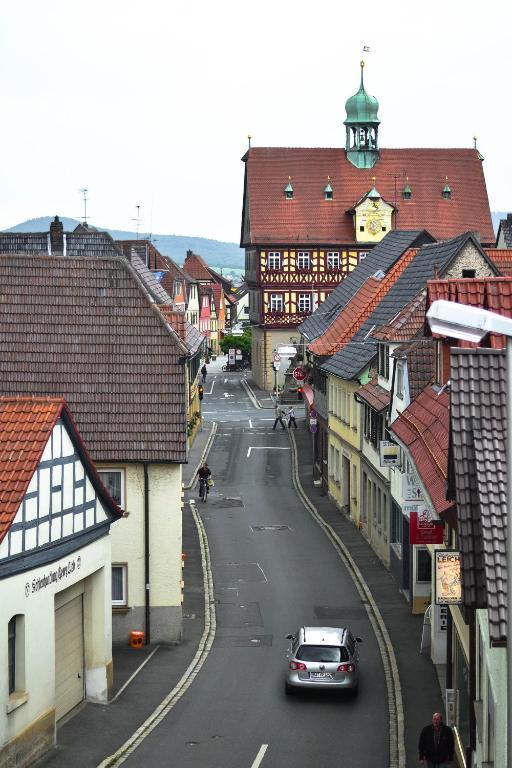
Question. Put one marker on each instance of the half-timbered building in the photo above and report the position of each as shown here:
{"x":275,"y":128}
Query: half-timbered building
{"x":55,"y":586}
{"x":311,"y":215}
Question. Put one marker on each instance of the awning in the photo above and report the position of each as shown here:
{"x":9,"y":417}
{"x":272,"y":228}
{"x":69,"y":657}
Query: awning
{"x":308,"y":395}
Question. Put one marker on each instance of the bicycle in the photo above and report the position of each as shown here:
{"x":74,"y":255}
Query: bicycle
{"x":203,"y":489}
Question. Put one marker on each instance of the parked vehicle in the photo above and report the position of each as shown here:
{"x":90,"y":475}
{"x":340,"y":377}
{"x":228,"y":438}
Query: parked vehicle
{"x":322,"y":657}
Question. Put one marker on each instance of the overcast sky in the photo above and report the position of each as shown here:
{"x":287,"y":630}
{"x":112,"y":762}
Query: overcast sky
{"x":150,"y":103}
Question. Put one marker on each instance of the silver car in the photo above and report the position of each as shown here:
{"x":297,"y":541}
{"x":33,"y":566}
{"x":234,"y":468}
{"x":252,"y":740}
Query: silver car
{"x":322,"y":657}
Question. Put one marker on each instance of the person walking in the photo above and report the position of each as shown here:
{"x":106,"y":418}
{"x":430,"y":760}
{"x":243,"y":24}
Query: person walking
{"x":279,"y":413}
{"x":436,"y":744}
{"x":204,"y":371}
{"x":291,"y":417}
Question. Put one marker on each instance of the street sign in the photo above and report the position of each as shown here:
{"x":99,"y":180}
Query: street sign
{"x":277,"y":358}
{"x":313,"y":427}
{"x":238,"y":354}
{"x":231,"y":357}
{"x":276,"y":366}
{"x":299,"y":374}
{"x":312,"y":413}
{"x":313,"y":421}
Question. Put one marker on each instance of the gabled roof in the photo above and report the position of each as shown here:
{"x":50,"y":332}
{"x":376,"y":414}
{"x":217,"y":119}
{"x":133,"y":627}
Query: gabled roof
{"x":478,"y":479}
{"x":423,"y":429}
{"x":502,"y":259}
{"x":420,"y":357}
{"x":308,"y":217}
{"x":355,"y":356}
{"x":406,"y":324}
{"x":86,"y":242}
{"x":217,"y":295}
{"x":26,"y":424}
{"x":196,"y":267}
{"x":376,"y":396}
{"x":505,"y":231}
{"x":88,"y":330}
{"x":382,"y":257}
{"x":492,"y":293}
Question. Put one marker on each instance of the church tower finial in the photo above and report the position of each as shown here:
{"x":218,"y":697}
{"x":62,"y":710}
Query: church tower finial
{"x":362,"y":126}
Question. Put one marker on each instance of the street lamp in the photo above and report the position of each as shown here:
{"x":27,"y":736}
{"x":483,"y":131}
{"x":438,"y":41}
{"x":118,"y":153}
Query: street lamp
{"x":460,"y":321}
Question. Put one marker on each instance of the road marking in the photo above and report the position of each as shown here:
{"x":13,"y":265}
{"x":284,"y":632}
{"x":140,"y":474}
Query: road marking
{"x":226,"y":394}
{"x":225,"y":381}
{"x":260,"y":756}
{"x":209,"y":411}
{"x":250,"y":423}
{"x":265,"y":448}
{"x":211,"y":390}
{"x":139,"y":669}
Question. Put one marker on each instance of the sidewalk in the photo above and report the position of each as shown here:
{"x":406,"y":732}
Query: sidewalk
{"x":97,"y":730}
{"x":421,"y":693}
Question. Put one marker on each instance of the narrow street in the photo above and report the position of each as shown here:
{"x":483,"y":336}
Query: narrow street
{"x":273,"y":569}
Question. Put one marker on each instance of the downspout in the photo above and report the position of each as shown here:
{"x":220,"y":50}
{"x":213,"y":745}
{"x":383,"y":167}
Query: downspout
{"x":146,"y":556}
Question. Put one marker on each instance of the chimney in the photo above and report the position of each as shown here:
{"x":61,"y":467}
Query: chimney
{"x":57,"y":237}
{"x":176,"y":320}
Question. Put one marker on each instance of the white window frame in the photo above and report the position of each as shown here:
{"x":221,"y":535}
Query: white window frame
{"x":274,"y":260}
{"x":303,"y":300}
{"x":276,"y":298}
{"x":333,"y":259}
{"x":120,"y":470}
{"x":303,"y":260}
{"x":123,"y":602}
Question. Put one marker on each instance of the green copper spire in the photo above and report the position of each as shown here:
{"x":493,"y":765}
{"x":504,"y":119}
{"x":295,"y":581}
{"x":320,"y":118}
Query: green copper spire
{"x":362,"y":125}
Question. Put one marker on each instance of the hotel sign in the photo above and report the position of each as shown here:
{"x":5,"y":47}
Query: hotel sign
{"x":423,"y":529}
{"x":447,"y":577}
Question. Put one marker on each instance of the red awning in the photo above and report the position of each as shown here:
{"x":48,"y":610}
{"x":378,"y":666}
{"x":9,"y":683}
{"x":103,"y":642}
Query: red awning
{"x":308,"y":395}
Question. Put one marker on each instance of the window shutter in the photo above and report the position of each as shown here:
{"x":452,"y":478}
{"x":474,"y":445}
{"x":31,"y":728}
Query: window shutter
{"x":373,"y":427}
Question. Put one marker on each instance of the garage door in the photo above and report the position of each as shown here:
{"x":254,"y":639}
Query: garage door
{"x":69,"y":656}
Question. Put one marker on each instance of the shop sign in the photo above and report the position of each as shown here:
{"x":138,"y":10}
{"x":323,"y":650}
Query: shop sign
{"x":299,"y":374}
{"x":389,"y":454}
{"x":422,"y":528}
{"x":53,"y":575}
{"x":447,"y":577}
{"x":411,"y":490}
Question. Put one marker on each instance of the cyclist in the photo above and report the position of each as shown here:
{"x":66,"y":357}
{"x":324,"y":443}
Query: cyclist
{"x":204,"y":474}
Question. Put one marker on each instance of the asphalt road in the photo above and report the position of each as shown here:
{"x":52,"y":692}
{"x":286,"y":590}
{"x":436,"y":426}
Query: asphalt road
{"x":273,"y":570}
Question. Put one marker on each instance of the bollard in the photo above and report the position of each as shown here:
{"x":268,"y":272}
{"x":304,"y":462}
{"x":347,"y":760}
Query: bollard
{"x":136,"y":639}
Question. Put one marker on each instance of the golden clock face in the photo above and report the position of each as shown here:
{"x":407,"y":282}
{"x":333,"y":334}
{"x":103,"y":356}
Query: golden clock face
{"x":373,"y":226}
{"x":375,"y":203}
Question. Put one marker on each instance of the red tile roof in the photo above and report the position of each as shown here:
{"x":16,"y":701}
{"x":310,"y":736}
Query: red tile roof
{"x":407,"y":324}
{"x":217,"y":295}
{"x":309,"y":217}
{"x":502,"y":258}
{"x":424,"y":429}
{"x":26,"y":424}
{"x":492,"y":293}
{"x":196,"y":267}
{"x":359,"y":308}
{"x":376,"y":396}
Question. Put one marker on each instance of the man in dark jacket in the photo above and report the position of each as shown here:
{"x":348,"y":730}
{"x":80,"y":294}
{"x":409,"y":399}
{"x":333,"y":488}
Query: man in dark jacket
{"x":436,"y":743}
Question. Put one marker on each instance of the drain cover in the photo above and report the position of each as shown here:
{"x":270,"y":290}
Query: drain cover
{"x":270,"y":527}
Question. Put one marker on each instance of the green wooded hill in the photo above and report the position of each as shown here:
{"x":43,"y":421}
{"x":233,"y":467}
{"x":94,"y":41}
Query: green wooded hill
{"x":216,"y":253}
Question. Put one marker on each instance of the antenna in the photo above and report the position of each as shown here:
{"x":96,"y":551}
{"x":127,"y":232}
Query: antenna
{"x":84,"y":192}
{"x":138,"y":219}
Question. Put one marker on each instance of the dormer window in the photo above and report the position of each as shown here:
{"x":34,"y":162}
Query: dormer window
{"x":288,"y":190}
{"x":328,"y":189}
{"x":407,"y":191}
{"x":447,"y":192}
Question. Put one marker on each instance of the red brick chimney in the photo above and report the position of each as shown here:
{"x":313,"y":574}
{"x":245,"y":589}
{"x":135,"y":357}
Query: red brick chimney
{"x":57,"y":237}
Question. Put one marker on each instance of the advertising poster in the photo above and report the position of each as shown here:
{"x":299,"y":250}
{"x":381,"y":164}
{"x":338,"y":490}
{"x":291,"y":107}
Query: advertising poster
{"x":447,"y":574}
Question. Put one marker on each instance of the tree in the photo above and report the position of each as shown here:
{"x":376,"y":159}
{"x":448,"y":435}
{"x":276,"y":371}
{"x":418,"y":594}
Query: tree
{"x":242,"y":342}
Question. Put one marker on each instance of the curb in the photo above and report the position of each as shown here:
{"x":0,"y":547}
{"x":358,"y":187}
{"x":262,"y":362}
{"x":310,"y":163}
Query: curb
{"x":204,"y":647}
{"x":396,"y":712}
{"x":253,"y":397}
{"x":204,"y":454}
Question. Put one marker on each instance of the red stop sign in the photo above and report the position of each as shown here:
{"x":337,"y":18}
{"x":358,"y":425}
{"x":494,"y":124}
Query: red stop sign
{"x":299,"y":374}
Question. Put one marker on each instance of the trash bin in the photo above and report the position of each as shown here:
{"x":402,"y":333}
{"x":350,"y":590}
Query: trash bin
{"x":136,"y":639}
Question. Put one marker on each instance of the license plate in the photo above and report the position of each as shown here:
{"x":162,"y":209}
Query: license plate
{"x":320,"y":676}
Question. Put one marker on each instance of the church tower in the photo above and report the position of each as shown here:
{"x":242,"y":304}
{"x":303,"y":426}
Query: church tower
{"x":362,"y":125}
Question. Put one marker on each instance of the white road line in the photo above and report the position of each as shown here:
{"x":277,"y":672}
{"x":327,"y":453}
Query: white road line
{"x":265,"y":448}
{"x":250,"y":423}
{"x":211,"y":390}
{"x":139,"y":669}
{"x":209,"y":411}
{"x":260,"y":756}
{"x":225,"y":381}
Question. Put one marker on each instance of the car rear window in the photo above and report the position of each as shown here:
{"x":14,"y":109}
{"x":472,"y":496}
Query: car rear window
{"x":322,"y":653}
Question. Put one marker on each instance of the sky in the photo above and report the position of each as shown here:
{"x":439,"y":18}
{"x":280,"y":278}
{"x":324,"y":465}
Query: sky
{"x":150,"y":103}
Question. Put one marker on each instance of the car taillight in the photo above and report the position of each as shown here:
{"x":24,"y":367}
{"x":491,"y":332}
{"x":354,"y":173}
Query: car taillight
{"x":297,"y":665}
{"x":346,"y":668}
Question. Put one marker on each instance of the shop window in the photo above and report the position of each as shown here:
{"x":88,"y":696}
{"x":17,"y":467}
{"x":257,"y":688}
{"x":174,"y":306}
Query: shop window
{"x":423,"y":566}
{"x":119,"y":585}
{"x":396,"y":524}
{"x":114,"y":481}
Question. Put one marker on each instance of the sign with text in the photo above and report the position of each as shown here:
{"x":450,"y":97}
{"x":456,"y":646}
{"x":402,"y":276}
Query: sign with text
{"x":422,"y":528}
{"x":299,"y":374}
{"x":389,"y":454}
{"x":411,"y":490}
{"x":447,"y":576}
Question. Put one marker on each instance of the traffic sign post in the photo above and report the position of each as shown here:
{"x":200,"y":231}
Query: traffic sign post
{"x":299,"y":374}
